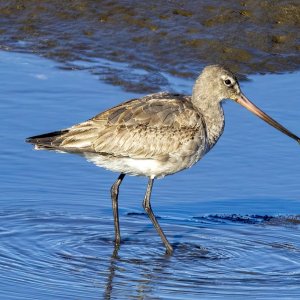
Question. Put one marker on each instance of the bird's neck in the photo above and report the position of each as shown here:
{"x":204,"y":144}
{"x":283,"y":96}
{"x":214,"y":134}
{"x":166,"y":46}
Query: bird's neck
{"x":214,"y":120}
{"x":204,"y":100}
{"x":215,"y":123}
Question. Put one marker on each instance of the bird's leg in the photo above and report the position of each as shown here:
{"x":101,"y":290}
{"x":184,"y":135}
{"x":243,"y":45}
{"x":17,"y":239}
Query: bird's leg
{"x":114,"y":198}
{"x":148,"y":209}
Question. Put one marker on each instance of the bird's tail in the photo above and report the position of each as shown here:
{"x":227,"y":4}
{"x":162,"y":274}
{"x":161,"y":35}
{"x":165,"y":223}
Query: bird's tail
{"x":47,"y":141}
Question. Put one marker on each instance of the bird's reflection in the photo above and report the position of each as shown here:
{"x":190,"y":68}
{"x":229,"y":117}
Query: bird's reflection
{"x":111,"y":272}
{"x":149,"y":271}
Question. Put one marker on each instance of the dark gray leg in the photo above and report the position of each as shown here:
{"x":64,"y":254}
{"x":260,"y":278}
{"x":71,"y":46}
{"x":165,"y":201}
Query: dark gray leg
{"x":147,"y":207}
{"x":114,"y":198}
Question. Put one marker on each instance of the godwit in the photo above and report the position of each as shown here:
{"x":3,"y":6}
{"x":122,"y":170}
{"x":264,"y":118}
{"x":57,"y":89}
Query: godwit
{"x":156,"y":135}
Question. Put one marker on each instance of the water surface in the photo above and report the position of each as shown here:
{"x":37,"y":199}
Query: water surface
{"x":233,"y":218}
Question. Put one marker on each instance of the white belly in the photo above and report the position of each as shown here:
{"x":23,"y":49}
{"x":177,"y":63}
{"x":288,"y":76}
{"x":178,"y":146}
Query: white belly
{"x":138,"y":167}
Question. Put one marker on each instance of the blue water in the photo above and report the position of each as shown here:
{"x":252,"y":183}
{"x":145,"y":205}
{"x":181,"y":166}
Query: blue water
{"x":233,"y":218}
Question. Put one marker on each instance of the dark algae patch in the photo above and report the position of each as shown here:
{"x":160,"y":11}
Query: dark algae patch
{"x":252,"y":219}
{"x":177,"y":37}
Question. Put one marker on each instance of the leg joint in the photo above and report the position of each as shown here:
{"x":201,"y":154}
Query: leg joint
{"x":146,"y":206}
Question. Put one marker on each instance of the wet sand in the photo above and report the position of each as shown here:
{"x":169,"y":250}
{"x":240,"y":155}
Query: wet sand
{"x":175,"y":37}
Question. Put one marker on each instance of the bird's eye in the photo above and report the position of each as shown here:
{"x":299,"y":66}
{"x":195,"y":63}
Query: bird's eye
{"x":227,"y":82}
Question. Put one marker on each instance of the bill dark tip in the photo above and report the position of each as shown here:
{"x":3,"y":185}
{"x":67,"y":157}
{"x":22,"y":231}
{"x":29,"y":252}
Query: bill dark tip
{"x":254,"y":109}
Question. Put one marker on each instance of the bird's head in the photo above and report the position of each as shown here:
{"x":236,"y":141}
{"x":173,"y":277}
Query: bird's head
{"x":216,"y":84}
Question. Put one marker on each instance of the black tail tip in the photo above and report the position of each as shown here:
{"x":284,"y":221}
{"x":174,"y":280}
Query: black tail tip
{"x":45,"y":138}
{"x":29,"y":140}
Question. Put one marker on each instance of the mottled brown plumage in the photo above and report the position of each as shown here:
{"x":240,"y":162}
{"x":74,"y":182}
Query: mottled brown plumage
{"x":167,"y":116}
{"x":169,"y":126}
{"x":155,"y":136}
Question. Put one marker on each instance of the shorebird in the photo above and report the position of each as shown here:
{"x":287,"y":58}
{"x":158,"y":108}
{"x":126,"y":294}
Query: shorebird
{"x":156,"y":135}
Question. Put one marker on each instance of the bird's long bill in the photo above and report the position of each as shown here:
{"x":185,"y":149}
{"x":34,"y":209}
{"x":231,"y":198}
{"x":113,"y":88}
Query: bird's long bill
{"x":254,"y":109}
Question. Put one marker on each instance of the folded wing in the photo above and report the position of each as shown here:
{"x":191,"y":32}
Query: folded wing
{"x":157,"y":126}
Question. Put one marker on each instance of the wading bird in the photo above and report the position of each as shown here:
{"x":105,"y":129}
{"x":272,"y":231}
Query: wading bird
{"x":156,"y":135}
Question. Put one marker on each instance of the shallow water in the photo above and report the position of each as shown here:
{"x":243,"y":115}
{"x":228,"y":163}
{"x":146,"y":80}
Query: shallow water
{"x":250,"y":36}
{"x":233,"y":218}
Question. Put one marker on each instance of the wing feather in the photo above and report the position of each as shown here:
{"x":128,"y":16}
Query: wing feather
{"x":157,"y":126}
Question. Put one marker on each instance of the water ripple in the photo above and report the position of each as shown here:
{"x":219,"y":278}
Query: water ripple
{"x":76,"y":253}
